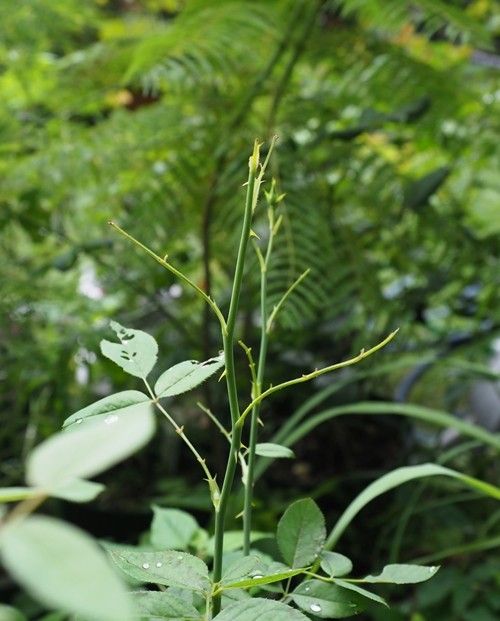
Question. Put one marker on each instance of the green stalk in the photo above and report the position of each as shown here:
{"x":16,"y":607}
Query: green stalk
{"x":229,"y":343}
{"x":264,"y":339}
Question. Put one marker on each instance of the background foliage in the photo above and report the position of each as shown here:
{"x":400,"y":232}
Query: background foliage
{"x":143,"y":112}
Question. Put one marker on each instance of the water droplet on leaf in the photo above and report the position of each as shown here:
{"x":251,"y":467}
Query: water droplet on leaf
{"x":257,"y":576}
{"x":145,"y":565}
{"x":159,"y":564}
{"x":79,"y":421}
{"x":112,"y":418}
{"x":315,"y":607}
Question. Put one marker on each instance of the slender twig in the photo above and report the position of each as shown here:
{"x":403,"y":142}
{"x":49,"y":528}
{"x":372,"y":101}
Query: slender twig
{"x":229,"y":340}
{"x":179,"y":430}
{"x":309,"y":376}
{"x":283,"y":299}
{"x":215,"y":420}
{"x":257,"y":387}
{"x":175,"y":271}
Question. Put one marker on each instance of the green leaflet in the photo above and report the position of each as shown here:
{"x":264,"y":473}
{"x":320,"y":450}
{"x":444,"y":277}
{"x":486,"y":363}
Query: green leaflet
{"x":186,"y":376}
{"x":301,"y":533}
{"x":112,"y":405}
{"x":357,"y":589}
{"x":77,"y":490}
{"x":261,"y":609}
{"x":269,"y":577}
{"x":174,"y":569}
{"x":136,"y":353}
{"x":242,"y":568}
{"x":89,"y":450}
{"x":398,"y":477}
{"x":63,"y":568}
{"x":172,"y":529}
{"x":277,"y":451}
{"x":327,"y":601}
{"x":403,"y":574}
{"x":335,"y":564}
{"x":156,"y":605}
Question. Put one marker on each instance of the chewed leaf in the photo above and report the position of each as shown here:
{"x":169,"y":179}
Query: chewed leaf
{"x":277,"y":451}
{"x":136,"y":353}
{"x":327,"y":601}
{"x":186,"y":376}
{"x":112,"y":404}
{"x":403,"y":574}
{"x":63,"y":568}
{"x":174,"y":569}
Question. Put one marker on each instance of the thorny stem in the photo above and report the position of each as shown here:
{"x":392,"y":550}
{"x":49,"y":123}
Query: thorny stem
{"x":215,"y":420}
{"x":228,"y":340}
{"x":309,"y":376}
{"x":179,"y":430}
{"x":257,"y":387}
{"x":174,"y":271}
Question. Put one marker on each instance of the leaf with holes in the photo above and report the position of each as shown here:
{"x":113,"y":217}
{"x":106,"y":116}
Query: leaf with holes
{"x":276,"y":451}
{"x":136,"y":353}
{"x":261,"y":609}
{"x":301,"y":533}
{"x":335,"y":564}
{"x":112,"y":405}
{"x":63,"y":568}
{"x":89,"y":450}
{"x":174,"y":569}
{"x":172,"y":529}
{"x":186,"y":376}
{"x":327,"y":601}
{"x":157,"y":605}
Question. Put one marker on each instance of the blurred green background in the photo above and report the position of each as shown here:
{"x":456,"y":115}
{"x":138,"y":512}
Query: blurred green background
{"x":388,"y":117}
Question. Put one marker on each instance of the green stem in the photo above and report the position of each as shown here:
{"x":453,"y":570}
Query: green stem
{"x":309,"y":376}
{"x":264,"y":339}
{"x":174,"y":271}
{"x":229,"y":343}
